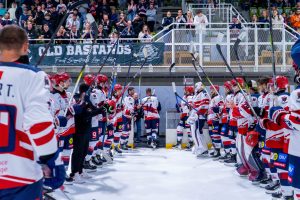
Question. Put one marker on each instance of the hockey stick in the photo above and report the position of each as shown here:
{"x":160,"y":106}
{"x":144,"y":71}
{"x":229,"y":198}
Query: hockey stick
{"x":70,"y":8}
{"x":91,"y":19}
{"x":272,"y":42}
{"x":171,"y":67}
{"x":145,"y":53}
{"x":179,"y":97}
{"x":234,"y":77}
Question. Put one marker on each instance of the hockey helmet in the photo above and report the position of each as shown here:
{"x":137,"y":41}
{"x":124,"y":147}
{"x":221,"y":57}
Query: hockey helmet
{"x":282,"y":82}
{"x":101,"y":78}
{"x":228,"y":85}
{"x":238,"y":80}
{"x":189,"y":89}
{"x":117,"y":87}
{"x":213,"y":87}
{"x":89,"y":79}
{"x":199,"y":86}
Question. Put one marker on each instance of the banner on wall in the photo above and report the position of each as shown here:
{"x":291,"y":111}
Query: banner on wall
{"x":75,"y":54}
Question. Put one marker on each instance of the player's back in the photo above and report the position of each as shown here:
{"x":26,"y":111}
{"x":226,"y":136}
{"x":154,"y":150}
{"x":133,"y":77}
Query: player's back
{"x":25,"y":124}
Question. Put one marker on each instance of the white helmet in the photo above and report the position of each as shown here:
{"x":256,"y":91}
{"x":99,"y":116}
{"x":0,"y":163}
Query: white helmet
{"x":198,"y":86}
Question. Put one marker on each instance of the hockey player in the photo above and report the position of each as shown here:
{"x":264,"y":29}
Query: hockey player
{"x":225,"y":121}
{"x":277,"y":140}
{"x":127,"y":117}
{"x":215,"y":109}
{"x":117,"y":118}
{"x":183,"y":126}
{"x":27,"y":131}
{"x":65,"y":128}
{"x":151,"y":116}
{"x":197,"y":119}
{"x":101,"y":82}
{"x":233,"y":125}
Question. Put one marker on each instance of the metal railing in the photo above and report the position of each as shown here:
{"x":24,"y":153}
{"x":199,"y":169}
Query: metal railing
{"x":254,"y":50}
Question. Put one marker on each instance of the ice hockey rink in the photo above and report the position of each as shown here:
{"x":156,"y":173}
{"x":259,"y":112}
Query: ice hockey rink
{"x":159,"y":174}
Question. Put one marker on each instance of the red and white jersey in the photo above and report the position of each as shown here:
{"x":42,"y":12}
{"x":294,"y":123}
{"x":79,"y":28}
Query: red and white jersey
{"x":226,"y":109}
{"x":26,"y":125}
{"x":128,"y":106}
{"x":238,"y":99}
{"x":60,"y":100}
{"x":150,"y":105}
{"x":215,"y":102}
{"x":282,"y":99}
{"x":265,"y":101}
{"x":118,"y":113}
{"x":201,"y":103}
{"x":184,"y":107}
{"x":274,"y":134}
{"x":291,"y":121}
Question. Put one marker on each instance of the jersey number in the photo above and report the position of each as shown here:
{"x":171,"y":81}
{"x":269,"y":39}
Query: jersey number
{"x":7,"y":128}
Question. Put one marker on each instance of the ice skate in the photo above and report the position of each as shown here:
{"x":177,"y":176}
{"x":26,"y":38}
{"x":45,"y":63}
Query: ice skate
{"x":272,"y":187}
{"x":89,"y":166}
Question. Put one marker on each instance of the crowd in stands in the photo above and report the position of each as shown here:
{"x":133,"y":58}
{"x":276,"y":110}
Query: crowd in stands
{"x":40,"y":18}
{"x":283,"y":11}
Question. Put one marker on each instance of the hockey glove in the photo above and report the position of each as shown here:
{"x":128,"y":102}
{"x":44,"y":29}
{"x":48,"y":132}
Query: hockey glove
{"x":276,"y":112}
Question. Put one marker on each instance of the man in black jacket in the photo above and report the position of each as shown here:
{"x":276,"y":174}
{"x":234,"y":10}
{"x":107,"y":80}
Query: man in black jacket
{"x":138,"y":115}
{"x":84,"y":111}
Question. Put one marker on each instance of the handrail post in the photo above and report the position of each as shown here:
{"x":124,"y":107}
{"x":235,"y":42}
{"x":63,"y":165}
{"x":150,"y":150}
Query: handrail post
{"x":228,"y":47}
{"x":256,"y":48}
{"x":173,"y":45}
{"x":283,"y":69}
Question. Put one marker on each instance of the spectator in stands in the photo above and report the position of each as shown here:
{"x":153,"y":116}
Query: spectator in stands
{"x":45,"y":33}
{"x":180,"y":19}
{"x":107,"y":24}
{"x":167,"y":21}
{"x":280,"y":3}
{"x":151,"y":17}
{"x":264,"y":19}
{"x":39,"y":16}
{"x":61,"y":5}
{"x":87,"y":34}
{"x":295,"y":20}
{"x":44,"y":8}
{"x":114,"y":15}
{"x":142,"y":8}
{"x":102,"y":8}
{"x":254,"y":20}
{"x":137,"y":24}
{"x":277,"y":20}
{"x":200,"y":20}
{"x":73,"y":21}
{"x":12,"y":11}
{"x":6,"y":20}
{"x":23,"y":18}
{"x":122,"y":23}
{"x":2,"y":9}
{"x":101,"y":34}
{"x":129,"y":32}
{"x":54,"y":15}
{"x":82,"y":9}
{"x":61,"y":34}
{"x":47,"y":20}
{"x":73,"y":35}
{"x":144,"y":35}
{"x":131,"y":9}
{"x":19,"y":12}
{"x":235,"y":24}
{"x":31,"y":33}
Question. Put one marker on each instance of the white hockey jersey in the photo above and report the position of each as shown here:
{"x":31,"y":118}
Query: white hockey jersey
{"x":292,"y":122}
{"x":128,"y":106}
{"x":226,"y":110}
{"x":200,"y":103}
{"x":150,"y":105}
{"x":213,"y":114}
{"x":184,"y":107}
{"x":26,"y":125}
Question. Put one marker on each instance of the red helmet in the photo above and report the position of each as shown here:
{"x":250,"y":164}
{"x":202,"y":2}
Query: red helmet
{"x":239,"y":80}
{"x":282,"y":82}
{"x":228,"y":85}
{"x":189,"y":89}
{"x":117,"y":87}
{"x":112,"y":104}
{"x":89,"y":79}
{"x":212,"y":88}
{"x":101,"y":78}
{"x":65,"y":76}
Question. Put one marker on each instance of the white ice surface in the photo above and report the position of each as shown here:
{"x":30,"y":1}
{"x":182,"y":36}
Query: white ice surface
{"x":165,"y":174}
